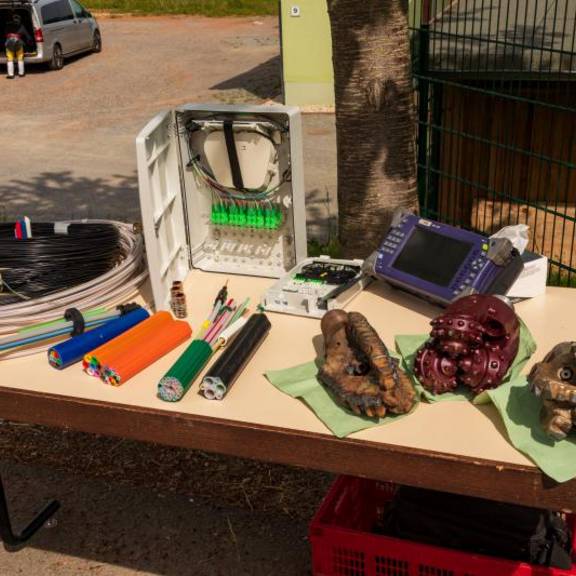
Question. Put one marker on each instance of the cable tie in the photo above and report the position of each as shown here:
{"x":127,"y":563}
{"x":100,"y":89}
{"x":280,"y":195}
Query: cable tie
{"x":75,"y":316}
{"x":125,"y":308}
{"x":61,"y":228}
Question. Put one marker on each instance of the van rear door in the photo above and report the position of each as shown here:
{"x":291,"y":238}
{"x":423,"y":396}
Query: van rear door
{"x":24,"y":10}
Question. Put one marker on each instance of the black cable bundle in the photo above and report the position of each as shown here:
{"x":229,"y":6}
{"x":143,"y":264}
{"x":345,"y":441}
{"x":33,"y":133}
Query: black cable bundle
{"x":55,"y":258}
{"x":219,"y":379}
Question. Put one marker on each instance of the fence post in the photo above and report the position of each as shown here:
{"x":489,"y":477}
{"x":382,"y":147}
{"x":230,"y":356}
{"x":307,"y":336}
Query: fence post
{"x":422,"y":66}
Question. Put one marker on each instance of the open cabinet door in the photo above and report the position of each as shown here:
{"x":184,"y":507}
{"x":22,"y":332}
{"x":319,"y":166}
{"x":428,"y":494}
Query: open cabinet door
{"x":162,"y":206}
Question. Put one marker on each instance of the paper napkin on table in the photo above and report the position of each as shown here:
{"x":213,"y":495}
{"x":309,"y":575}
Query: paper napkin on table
{"x":520,"y":413}
{"x":301,"y":382}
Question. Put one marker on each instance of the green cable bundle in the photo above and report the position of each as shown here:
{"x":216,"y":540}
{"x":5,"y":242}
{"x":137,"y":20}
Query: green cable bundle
{"x":178,"y":380}
{"x":224,"y":320}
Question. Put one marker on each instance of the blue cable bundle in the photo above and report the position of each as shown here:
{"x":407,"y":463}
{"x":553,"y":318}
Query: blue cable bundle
{"x":67,"y":353}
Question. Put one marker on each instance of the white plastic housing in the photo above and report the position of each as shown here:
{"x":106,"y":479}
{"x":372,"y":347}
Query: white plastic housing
{"x":176,"y":205}
{"x":301,"y":299}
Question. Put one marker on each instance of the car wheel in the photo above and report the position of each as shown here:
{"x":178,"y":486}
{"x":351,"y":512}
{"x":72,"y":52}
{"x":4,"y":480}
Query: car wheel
{"x":97,"y":43}
{"x":57,"y":62}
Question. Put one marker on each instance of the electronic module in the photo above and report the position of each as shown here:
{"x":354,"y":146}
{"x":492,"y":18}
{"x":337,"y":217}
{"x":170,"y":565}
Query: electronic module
{"x":442,"y":263}
{"x":315,"y":286}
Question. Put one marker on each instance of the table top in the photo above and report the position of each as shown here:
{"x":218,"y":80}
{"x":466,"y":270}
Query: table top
{"x":454,"y":446}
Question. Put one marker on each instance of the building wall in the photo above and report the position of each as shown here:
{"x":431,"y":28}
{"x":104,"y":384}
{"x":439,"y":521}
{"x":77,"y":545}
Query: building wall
{"x":307,"y":53}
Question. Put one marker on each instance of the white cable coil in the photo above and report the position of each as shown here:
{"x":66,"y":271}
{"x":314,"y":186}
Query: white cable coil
{"x":115,"y":287}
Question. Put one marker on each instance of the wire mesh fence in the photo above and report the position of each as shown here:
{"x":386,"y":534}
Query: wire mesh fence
{"x":497,"y":119}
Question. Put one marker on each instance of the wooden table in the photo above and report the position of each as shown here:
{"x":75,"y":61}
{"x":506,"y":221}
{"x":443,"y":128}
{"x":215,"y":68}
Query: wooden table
{"x":455,"y":447}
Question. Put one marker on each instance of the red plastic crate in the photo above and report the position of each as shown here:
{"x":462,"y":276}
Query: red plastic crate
{"x":342,"y":544}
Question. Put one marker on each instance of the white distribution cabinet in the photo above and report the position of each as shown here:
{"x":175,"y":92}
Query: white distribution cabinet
{"x":222,"y":190}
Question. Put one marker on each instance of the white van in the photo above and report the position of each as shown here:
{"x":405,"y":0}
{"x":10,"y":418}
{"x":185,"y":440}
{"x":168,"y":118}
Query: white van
{"x":59,"y":29}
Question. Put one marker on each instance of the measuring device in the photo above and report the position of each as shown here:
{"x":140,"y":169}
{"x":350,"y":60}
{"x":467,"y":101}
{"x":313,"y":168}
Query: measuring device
{"x":441,"y":263}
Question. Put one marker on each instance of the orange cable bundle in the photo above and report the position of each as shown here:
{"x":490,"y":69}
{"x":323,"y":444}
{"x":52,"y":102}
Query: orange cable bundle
{"x":128,"y":362}
{"x":95,"y":360}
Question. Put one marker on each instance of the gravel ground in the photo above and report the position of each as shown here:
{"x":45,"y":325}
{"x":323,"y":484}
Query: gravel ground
{"x":129,"y":507}
{"x":71,"y":151}
{"x":110,"y":530}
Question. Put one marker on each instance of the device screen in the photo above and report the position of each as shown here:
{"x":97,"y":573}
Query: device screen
{"x":432,"y":257}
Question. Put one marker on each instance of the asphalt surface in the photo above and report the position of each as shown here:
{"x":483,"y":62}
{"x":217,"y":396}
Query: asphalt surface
{"x":68,"y":152}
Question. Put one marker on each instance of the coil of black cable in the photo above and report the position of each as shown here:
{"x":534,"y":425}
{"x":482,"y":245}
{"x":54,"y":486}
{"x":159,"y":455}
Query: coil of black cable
{"x":57,"y":257}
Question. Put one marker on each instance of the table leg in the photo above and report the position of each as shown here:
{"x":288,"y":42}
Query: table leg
{"x":15,"y":540}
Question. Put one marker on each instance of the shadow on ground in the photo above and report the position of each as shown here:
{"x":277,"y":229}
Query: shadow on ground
{"x":108,"y":530}
{"x":66,"y":195}
{"x":263,"y":82}
{"x":321,"y":216}
{"x":44,"y":68}
{"x":163,"y":510}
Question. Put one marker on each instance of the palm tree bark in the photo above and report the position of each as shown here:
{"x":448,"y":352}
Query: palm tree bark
{"x":375,"y":119}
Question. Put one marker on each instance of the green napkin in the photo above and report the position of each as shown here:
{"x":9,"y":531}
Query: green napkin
{"x":408,"y":346}
{"x":520,"y":412}
{"x":301,"y":382}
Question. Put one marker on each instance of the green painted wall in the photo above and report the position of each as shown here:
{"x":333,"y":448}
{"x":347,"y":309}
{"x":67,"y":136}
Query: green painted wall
{"x":307,"y":51}
{"x":307,"y":54}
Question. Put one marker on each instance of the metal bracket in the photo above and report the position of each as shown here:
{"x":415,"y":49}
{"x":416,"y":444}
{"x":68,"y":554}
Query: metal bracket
{"x":7,"y":536}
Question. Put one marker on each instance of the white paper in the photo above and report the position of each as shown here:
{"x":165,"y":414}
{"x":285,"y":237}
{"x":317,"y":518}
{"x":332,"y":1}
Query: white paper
{"x":517,"y":234}
{"x":532,"y":281}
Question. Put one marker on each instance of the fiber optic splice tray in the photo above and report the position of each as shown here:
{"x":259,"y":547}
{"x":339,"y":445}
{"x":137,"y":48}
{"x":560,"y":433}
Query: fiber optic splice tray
{"x":222,"y":190}
{"x":316,"y":286}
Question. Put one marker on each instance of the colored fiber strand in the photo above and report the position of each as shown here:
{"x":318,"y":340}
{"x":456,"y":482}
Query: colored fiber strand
{"x":126,"y":363}
{"x":73,"y":350}
{"x":240,"y":310}
{"x":93,"y":361}
{"x":89,"y":314}
{"x":11,"y":342}
{"x":179,"y":379}
{"x":220,"y":322}
{"x":227,"y":334}
{"x":220,"y":378}
{"x":59,"y":326}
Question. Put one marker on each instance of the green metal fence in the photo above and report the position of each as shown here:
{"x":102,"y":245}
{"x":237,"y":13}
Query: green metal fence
{"x":497,"y":119}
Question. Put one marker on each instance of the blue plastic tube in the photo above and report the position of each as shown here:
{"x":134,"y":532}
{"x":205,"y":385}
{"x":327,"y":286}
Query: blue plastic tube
{"x":73,"y":350}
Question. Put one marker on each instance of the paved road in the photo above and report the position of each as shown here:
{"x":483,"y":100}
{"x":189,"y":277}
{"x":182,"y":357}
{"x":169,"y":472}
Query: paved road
{"x":68,"y":151}
{"x":71,"y":133}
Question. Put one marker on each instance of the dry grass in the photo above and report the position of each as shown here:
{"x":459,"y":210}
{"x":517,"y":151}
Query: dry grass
{"x":200,"y":7}
{"x":550,"y":234}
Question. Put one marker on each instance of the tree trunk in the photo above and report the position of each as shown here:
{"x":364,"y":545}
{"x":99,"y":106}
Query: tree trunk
{"x":375,"y":119}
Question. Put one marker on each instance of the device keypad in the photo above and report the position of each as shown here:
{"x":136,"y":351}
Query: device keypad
{"x":392,"y":242}
{"x":474,"y":266}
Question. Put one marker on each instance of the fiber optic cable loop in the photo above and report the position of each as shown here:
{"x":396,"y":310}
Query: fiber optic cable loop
{"x":50,"y":330}
{"x":114,"y":287}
